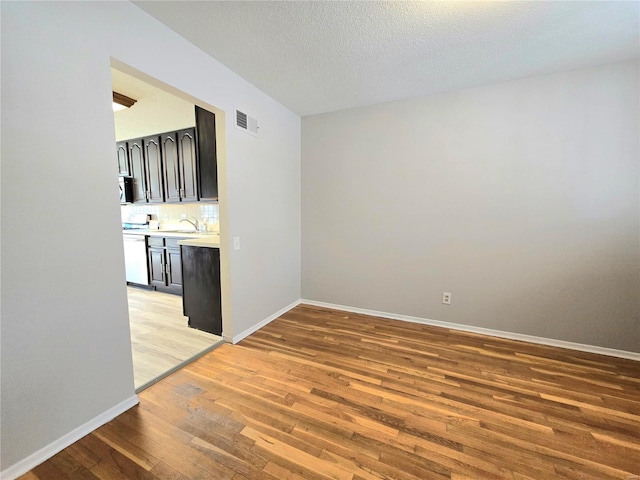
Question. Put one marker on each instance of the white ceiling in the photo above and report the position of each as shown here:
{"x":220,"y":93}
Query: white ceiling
{"x":155,"y":110}
{"x":320,"y":56}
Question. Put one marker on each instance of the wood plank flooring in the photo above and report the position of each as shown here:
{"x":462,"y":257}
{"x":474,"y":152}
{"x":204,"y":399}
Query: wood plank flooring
{"x":322,"y":394}
{"x":160,"y":338}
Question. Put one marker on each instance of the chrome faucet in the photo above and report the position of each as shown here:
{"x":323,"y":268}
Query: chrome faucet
{"x":195,"y":225}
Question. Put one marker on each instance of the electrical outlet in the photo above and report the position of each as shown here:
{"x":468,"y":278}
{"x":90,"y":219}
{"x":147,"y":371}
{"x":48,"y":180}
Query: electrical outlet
{"x":236,"y":243}
{"x":183,"y":216}
{"x":446,"y":298}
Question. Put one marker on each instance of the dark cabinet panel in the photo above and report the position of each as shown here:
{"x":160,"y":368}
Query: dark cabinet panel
{"x":207,"y":159}
{"x":201,"y":294}
{"x":156,"y":267}
{"x":153,"y":163}
{"x":171,"y":167}
{"x":165,"y":269}
{"x":174,"y":270}
{"x":137,"y":170}
{"x":122,"y":153}
{"x":179,"y":162}
{"x":188,"y":171}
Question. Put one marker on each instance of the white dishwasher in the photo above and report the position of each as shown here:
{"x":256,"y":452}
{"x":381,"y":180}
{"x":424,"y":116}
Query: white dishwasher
{"x":135,"y":259}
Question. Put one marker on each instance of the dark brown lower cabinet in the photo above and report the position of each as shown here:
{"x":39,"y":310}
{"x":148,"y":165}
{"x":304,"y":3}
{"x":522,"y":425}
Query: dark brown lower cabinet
{"x":165,"y":269}
{"x":156,"y":267}
{"x":201,"y":294}
{"x":174,"y":270}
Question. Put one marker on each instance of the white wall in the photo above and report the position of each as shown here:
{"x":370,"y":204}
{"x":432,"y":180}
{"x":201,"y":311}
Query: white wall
{"x":65,"y":351}
{"x":521,"y":199}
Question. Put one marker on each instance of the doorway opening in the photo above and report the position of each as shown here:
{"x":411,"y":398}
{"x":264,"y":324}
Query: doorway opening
{"x":161,"y":339}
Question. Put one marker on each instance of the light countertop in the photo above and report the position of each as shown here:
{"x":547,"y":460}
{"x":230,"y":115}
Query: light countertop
{"x":191,"y":239}
{"x":207,"y":241}
{"x":170,"y":233}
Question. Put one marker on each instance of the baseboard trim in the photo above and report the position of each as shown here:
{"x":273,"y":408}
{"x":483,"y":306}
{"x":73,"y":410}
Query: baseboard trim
{"x":35,"y":459}
{"x":484,"y":331}
{"x":236,"y":338}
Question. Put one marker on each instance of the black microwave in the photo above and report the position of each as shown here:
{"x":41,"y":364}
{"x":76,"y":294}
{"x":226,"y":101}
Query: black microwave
{"x":126,"y":190}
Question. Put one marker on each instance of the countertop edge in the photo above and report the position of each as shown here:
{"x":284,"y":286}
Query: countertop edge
{"x":161,"y":233}
{"x":201,"y":242}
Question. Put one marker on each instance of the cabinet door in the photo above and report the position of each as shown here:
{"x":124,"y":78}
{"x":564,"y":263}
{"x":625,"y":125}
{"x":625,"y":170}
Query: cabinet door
{"x":174,"y":271}
{"x":153,"y":163}
{"x":188,"y":173}
{"x":157,"y":267}
{"x":207,"y":160}
{"x":171,"y":166}
{"x":122,"y":153}
{"x":137,"y":170}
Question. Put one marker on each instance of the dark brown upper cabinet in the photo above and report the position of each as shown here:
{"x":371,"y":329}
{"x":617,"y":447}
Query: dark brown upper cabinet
{"x":173,"y":166}
{"x":172,"y":186}
{"x":179,"y":161}
{"x":207,"y":157}
{"x":188,"y":155}
{"x":154,"y":173}
{"x":137,"y":170}
{"x":145,"y":161}
{"x":123,"y":158}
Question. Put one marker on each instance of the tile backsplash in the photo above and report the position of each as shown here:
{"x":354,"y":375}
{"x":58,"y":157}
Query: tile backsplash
{"x":169,"y":214}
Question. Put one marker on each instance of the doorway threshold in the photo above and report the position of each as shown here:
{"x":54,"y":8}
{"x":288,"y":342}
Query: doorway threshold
{"x":179,"y":366}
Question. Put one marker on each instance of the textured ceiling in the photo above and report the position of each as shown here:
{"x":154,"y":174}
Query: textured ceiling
{"x":320,"y":56}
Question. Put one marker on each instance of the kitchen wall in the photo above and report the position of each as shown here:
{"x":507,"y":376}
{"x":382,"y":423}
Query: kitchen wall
{"x":155,"y":111}
{"x":521,"y":199}
{"x":65,"y":350}
{"x":169,"y":215}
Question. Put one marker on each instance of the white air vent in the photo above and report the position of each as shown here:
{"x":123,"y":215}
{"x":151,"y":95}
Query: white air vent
{"x":246,"y":123}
